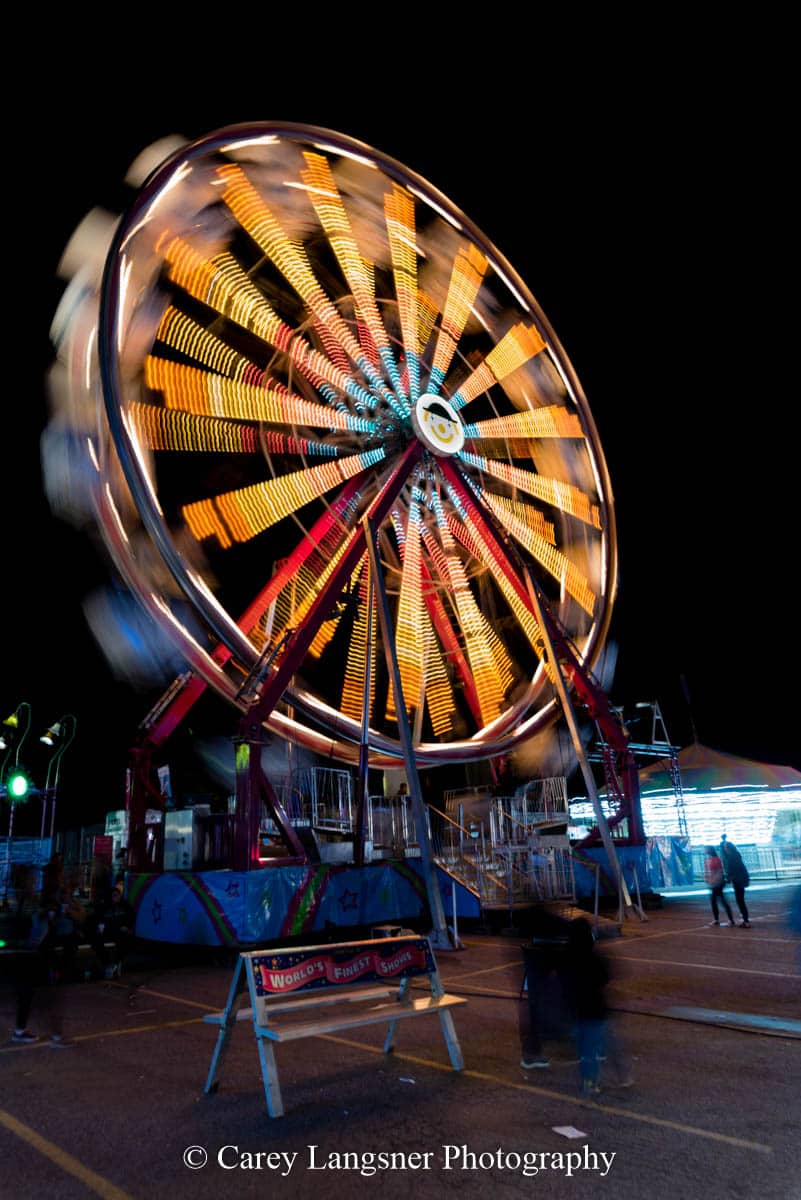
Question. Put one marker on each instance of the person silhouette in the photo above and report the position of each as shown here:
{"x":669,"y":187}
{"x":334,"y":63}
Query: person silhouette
{"x":736,"y":872}
{"x":714,"y":876}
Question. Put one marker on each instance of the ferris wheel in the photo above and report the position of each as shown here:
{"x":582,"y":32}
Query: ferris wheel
{"x":297,"y":344}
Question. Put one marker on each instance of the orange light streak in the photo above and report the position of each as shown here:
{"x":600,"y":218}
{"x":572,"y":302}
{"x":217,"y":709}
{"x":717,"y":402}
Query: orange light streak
{"x":489,"y":662}
{"x":563,"y":496}
{"x":408,"y":627}
{"x":240,"y":515}
{"x":569,"y":576}
{"x":254,"y":215}
{"x":194,"y":390}
{"x":328,"y":628}
{"x":333,"y":217}
{"x":399,"y":214}
{"x":170,"y":429}
{"x":426,"y":316}
{"x":182,"y":333}
{"x":223,"y":285}
{"x":550,"y":422}
{"x":440,"y":699}
{"x":467,"y":275}
{"x":517,"y":346}
{"x":525,"y":514}
{"x":353,"y":683}
{"x":471,"y":539}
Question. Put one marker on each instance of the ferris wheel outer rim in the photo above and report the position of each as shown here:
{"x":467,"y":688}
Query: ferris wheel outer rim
{"x":218,"y":621}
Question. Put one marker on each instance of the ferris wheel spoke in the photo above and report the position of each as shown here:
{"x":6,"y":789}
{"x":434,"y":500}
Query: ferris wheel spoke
{"x":356,"y":661}
{"x":422,"y":615}
{"x":170,"y":429}
{"x":179,"y":332}
{"x":516,"y":347}
{"x":194,"y":390}
{"x":400,"y":221}
{"x":332,"y":215}
{"x":489,"y":661}
{"x":257,"y":219}
{"x":240,"y":515}
{"x":551,"y":421}
{"x":467,"y":275}
{"x":270,"y":613}
{"x":469,"y":536}
{"x":222,"y":284}
{"x":409,"y":624}
{"x":449,"y":641}
{"x":439,"y":694}
{"x":520,"y":520}
{"x":564,"y":496}
{"x":476,"y":532}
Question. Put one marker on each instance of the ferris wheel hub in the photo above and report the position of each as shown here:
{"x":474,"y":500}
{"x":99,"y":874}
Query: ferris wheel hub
{"x":437,"y":425}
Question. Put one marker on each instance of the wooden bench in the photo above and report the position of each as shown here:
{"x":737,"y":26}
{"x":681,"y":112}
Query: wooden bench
{"x":311,"y":990}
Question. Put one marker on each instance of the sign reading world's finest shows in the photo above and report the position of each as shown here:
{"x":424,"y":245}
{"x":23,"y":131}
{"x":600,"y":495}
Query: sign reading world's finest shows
{"x":320,"y":966}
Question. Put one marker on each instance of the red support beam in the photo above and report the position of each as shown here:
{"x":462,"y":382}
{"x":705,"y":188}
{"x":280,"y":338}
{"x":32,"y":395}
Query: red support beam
{"x":589,"y":691}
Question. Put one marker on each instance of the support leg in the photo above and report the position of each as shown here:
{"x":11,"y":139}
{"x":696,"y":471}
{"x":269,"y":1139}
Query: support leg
{"x":228,"y":1023}
{"x":451,"y":1040}
{"x":403,"y":995}
{"x":269,"y":1074}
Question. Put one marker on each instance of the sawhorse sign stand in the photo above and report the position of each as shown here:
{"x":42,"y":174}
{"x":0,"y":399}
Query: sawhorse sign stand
{"x":356,"y":983}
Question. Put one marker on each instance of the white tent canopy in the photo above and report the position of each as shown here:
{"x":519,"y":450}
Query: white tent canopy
{"x":753,"y":803}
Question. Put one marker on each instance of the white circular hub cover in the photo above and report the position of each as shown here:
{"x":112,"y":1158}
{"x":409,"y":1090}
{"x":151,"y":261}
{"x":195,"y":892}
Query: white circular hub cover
{"x":436,"y":424}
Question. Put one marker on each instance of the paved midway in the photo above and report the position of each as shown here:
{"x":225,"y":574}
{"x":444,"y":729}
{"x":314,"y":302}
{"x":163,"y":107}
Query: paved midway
{"x":710,"y":1017}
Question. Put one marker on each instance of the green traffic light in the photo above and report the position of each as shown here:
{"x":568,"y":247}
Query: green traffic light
{"x":18,"y":785}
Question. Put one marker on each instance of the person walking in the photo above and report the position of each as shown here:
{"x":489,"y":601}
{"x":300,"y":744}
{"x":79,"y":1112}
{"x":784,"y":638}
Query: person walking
{"x":587,"y":976}
{"x":713,"y":874}
{"x":736,"y":872}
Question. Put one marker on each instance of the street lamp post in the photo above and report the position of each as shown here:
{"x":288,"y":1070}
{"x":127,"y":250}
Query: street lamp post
{"x":59,"y":735}
{"x":11,"y":723}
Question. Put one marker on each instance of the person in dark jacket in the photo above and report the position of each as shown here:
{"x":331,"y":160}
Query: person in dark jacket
{"x":115,"y":925}
{"x":35,"y":940}
{"x":587,"y":975}
{"x":736,"y":872}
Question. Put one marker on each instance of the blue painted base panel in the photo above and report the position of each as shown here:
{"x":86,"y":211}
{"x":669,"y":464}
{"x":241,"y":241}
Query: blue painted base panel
{"x":227,"y":908}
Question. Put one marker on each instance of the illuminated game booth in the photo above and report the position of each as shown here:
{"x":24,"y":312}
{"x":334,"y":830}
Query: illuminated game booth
{"x":338,"y":455}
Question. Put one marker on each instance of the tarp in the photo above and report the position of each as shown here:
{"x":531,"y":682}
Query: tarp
{"x":705,"y":769}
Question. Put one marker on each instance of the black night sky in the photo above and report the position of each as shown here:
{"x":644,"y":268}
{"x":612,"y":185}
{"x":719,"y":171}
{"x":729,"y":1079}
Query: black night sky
{"x":650,"y":228}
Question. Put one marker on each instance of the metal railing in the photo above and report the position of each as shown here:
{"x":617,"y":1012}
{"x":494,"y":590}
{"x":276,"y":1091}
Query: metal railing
{"x":502,"y":864}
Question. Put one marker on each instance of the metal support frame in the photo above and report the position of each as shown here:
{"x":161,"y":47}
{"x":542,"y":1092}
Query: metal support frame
{"x":589,"y":691}
{"x":364,"y":745}
{"x":440,"y":938}
{"x":252,"y":785}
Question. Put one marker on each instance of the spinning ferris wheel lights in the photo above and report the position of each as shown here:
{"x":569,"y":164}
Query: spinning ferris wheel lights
{"x":292,"y":327}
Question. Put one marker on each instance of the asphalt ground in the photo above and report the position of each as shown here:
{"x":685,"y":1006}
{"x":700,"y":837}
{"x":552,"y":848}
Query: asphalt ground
{"x":709,"y":1017}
